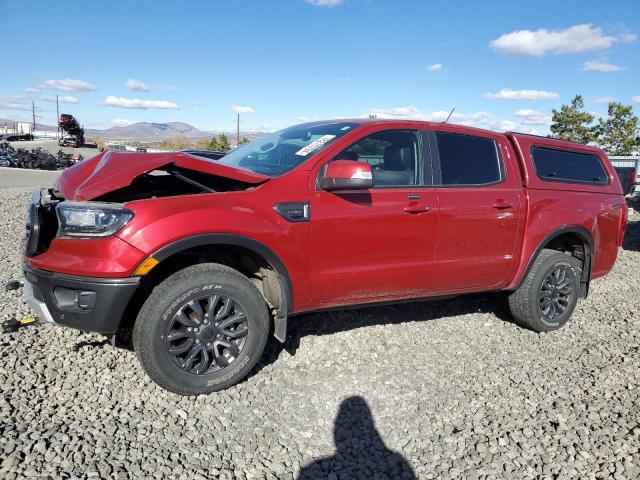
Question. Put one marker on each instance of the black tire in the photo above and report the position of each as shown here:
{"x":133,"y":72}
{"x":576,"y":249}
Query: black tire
{"x":543,"y":308}
{"x":164,"y":312}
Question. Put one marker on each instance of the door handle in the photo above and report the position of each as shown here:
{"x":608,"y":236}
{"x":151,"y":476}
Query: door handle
{"x":501,"y":204}
{"x":416,"y":209}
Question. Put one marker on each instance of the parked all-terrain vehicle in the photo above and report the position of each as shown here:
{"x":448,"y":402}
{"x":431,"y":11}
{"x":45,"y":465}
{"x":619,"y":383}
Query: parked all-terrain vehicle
{"x":203,"y":258}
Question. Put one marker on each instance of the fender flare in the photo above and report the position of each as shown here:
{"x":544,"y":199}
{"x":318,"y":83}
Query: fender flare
{"x":587,"y":239}
{"x":259,"y":248}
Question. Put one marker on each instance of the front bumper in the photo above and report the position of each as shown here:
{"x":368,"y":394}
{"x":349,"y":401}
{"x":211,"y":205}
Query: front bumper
{"x":86,"y":303}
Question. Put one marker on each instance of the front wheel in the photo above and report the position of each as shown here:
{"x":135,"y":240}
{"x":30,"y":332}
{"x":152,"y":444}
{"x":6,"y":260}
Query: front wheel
{"x":549,"y":294}
{"x":201,"y":330}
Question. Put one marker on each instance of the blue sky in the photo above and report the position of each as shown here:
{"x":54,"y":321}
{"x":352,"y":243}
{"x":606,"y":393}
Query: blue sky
{"x":501,"y":64}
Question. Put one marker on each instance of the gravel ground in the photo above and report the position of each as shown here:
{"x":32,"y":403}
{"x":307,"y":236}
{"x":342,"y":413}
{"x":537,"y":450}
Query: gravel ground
{"x":26,"y":177}
{"x":429,"y":390}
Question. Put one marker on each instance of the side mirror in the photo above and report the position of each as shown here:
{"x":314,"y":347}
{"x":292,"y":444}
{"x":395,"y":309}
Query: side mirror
{"x":347,"y":175}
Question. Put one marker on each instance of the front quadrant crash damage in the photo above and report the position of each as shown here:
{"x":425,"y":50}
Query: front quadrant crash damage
{"x":171,"y":180}
{"x":124,"y":177}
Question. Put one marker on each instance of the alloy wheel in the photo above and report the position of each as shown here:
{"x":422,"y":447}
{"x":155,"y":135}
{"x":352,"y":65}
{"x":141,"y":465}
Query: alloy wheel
{"x":555,"y":293}
{"x":207,"y":334}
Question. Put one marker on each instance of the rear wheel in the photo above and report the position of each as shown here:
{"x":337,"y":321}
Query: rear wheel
{"x":549,"y":294}
{"x":201,"y":330}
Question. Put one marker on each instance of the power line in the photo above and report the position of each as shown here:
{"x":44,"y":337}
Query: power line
{"x":58,"y":115}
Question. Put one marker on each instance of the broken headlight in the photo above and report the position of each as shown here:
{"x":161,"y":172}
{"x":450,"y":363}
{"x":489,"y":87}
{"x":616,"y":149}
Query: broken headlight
{"x":91,"y":219}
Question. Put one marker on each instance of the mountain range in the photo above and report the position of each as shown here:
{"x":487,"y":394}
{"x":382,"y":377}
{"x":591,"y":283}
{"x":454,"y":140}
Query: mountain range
{"x":138,"y":131}
{"x":148,"y":131}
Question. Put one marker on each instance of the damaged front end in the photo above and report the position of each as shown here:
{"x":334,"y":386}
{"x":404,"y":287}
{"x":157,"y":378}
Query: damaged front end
{"x":80,"y":252}
{"x":128,"y":176}
{"x":96,"y":191}
{"x":171,"y":180}
{"x":92,"y":299}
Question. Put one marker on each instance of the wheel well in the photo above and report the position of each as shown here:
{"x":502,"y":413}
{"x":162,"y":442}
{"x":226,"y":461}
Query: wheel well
{"x":574,"y":243}
{"x":571,"y":244}
{"x":251,"y":264}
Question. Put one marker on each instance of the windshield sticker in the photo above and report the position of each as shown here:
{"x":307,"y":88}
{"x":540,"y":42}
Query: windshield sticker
{"x":347,"y":127}
{"x":314,"y":145}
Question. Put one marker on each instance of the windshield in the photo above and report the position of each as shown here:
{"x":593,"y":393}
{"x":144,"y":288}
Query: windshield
{"x":282,"y":151}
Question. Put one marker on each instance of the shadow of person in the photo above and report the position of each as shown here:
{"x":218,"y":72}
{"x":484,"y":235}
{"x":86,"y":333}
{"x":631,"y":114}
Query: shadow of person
{"x":360,"y":451}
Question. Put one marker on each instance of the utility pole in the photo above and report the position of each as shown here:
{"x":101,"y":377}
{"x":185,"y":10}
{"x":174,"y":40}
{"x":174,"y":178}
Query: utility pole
{"x":58,"y":115}
{"x":238,"y":131}
{"x":33,"y":113}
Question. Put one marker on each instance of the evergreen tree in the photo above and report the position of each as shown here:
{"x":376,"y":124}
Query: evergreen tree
{"x":618,"y":133}
{"x":572,"y":123}
{"x":220,"y":143}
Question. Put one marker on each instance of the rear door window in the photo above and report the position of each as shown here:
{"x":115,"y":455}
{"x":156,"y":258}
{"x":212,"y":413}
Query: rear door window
{"x":566,"y":166}
{"x":468,"y":160}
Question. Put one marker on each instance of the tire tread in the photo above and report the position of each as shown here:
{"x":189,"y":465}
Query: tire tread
{"x":519,"y":300}
{"x":149,"y":312}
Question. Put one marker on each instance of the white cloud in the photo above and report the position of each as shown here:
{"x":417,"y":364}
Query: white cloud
{"x":61,"y":98}
{"x":636,"y":99}
{"x":476,"y":119}
{"x":122,"y":122}
{"x":32,"y":90}
{"x":193,"y":103}
{"x":575,"y":39}
{"x":68,"y":85}
{"x":137,"y":85}
{"x":325,"y":3}
{"x":138,"y":103}
{"x":264,"y":128}
{"x":15,"y":103}
{"x":436,"y":67}
{"x":601,"y":66}
{"x":509,"y":94}
{"x":604,"y":100}
{"x":528,"y":116}
{"x":303,"y":119}
{"x":242,"y":109}
{"x":408,"y":111}
{"x":531,"y":131}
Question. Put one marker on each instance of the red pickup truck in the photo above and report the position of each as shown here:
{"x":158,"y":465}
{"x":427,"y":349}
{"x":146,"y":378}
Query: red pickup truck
{"x":204,"y":258}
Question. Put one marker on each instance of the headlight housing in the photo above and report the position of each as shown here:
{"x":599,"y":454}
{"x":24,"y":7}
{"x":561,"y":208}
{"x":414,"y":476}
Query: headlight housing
{"x":91,"y":219}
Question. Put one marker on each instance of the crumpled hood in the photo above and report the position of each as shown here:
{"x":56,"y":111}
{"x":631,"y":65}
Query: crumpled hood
{"x":110,"y":171}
